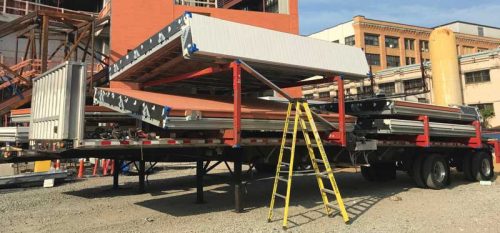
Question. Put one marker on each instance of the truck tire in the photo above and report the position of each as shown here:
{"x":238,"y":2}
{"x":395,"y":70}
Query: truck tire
{"x":417,"y":171}
{"x":482,"y":166}
{"x":368,"y":173}
{"x":436,"y":171}
{"x":467,"y":168}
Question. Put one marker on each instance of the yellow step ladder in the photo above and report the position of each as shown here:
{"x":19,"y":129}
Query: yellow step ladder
{"x":303,"y":117}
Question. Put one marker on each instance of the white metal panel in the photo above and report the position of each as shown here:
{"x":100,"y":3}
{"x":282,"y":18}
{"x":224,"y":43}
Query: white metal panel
{"x":228,"y":40}
{"x":58,"y":103}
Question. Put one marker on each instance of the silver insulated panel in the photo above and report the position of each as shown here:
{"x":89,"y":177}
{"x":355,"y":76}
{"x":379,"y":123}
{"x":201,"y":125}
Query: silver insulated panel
{"x":58,"y":103}
{"x":217,"y":39}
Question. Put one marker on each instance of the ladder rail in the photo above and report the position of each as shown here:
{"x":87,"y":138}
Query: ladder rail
{"x":312,"y":156}
{"x":280,"y":160}
{"x":322,"y":152}
{"x":304,"y":119}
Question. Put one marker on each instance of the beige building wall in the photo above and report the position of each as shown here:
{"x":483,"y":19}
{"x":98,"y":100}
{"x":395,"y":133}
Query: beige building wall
{"x":337,"y":33}
{"x":418,"y":52}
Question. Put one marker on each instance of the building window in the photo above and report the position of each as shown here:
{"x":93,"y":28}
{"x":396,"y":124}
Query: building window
{"x":409,"y":44}
{"x":393,"y":61}
{"x":391,"y":42}
{"x":477,"y":77}
{"x":325,"y":94}
{"x":482,"y":49}
{"x":366,"y":90}
{"x":387,"y":88}
{"x":410,"y":60}
{"x":468,"y":50}
{"x":423,"y":100}
{"x":309,"y":96}
{"x":350,"y":41}
{"x":371,"y":39}
{"x":424,"y":46}
{"x":336,"y":41}
{"x":373,"y":59}
{"x":413,"y":85}
{"x":480,"y":31}
{"x":484,"y":107}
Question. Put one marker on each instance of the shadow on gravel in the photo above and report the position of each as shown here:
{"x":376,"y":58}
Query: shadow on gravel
{"x":176,"y":196}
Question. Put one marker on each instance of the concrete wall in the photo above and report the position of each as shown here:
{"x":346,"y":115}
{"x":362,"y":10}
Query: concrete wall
{"x":473,"y":29}
{"x":339,"y":32}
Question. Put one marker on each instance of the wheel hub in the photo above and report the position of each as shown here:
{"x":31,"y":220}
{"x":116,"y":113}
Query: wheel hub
{"x":485,"y":167}
{"x":439,"y":172}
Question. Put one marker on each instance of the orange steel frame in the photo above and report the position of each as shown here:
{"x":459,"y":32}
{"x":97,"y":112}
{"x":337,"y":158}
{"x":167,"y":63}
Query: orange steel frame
{"x":233,"y":137}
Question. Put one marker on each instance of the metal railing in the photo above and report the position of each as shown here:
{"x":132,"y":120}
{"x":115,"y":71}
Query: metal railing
{"x":199,"y":3}
{"x":20,"y":7}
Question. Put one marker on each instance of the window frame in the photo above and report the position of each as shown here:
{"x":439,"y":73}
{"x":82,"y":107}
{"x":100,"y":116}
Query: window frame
{"x":373,"y":36}
{"x":348,"y":39}
{"x":475,"y":77}
{"x":393,"y":57}
{"x":393,"y":39}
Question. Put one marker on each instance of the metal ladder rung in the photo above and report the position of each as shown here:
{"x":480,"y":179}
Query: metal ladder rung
{"x":319,"y":161}
{"x":328,"y":191}
{"x":287,"y":148}
{"x":314,"y":145}
{"x":283,"y":179}
{"x":279,"y":195}
{"x":331,"y":206}
{"x":324,"y":174}
{"x":286,"y":164}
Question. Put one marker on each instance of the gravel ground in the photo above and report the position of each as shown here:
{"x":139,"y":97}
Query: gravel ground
{"x":91,"y":205}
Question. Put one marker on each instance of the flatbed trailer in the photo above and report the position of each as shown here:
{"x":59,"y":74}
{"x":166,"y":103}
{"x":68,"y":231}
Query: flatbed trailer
{"x":196,"y":52}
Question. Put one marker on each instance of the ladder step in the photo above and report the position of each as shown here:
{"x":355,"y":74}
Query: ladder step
{"x":328,"y":191}
{"x":282,"y":179}
{"x":279,"y":195}
{"x":330,"y":205}
{"x":319,"y":161}
{"x":287,"y":148}
{"x":286,"y":164}
{"x":324,"y":174}
{"x":314,"y":145}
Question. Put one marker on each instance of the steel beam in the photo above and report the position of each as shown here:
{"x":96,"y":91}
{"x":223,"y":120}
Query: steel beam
{"x":192,"y":75}
{"x":238,"y":201}
{"x":199,"y":181}
{"x":236,"y":66}
{"x":116,"y":173}
{"x":142,"y":176}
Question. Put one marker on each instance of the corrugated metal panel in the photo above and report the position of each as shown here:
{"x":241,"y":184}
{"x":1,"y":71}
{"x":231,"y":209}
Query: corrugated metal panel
{"x":224,"y":39}
{"x":57,"y":106}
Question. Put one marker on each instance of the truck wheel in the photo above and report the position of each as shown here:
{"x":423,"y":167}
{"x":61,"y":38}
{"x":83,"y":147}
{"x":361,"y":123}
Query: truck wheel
{"x":482,"y":166}
{"x":436,"y":171}
{"x":467,"y":168}
{"x":417,"y":171}
{"x":368,"y":173}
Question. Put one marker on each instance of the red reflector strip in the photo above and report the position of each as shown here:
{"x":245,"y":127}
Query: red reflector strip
{"x":146,"y":142}
{"x":171,"y":141}
{"x":186,"y":141}
{"x":105,"y":143}
{"x":124,"y":142}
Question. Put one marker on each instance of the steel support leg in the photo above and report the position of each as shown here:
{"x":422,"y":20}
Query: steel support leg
{"x":142,"y":176}
{"x":199,"y":181}
{"x":238,"y":201}
{"x":116,"y":172}
{"x":236,"y":103}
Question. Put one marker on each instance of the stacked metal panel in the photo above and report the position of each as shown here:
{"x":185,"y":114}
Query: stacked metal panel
{"x":193,"y":42}
{"x":402,"y":109}
{"x":394,"y":117}
{"x":201,"y":112}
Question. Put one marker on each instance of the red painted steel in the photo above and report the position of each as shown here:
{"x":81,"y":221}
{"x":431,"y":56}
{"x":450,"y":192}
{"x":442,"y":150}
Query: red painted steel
{"x":476,"y":142}
{"x":236,"y":103}
{"x":192,"y":75}
{"x":80,"y":169}
{"x":424,"y":140}
{"x":496,"y":149}
{"x":96,"y":165}
{"x":340,"y":136}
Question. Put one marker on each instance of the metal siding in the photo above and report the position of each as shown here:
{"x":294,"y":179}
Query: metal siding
{"x":224,"y":39}
{"x":58,"y":98}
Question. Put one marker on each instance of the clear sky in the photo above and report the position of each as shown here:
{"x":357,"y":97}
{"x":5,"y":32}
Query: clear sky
{"x":316,"y":15}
